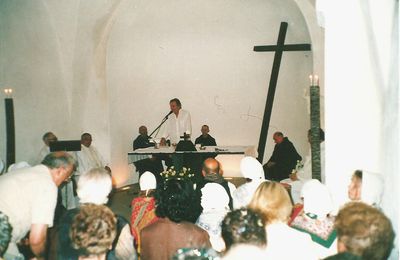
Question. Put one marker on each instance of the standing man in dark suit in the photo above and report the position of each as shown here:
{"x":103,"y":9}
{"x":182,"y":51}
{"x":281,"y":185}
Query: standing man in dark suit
{"x":283,"y":160}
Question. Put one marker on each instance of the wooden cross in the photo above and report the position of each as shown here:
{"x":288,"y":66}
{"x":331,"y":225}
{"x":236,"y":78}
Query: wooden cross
{"x":279,"y":48}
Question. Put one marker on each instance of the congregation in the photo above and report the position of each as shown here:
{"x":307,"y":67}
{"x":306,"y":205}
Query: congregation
{"x":185,"y":212}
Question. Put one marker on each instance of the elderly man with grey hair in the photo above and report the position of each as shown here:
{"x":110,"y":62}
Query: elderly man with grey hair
{"x":94,"y":187}
{"x":29,"y":196}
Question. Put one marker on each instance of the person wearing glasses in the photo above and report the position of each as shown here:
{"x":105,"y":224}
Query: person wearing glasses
{"x":28,"y":198}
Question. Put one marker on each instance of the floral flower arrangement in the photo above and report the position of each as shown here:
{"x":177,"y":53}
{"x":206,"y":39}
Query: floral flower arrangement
{"x":299,"y":166}
{"x":184,"y":174}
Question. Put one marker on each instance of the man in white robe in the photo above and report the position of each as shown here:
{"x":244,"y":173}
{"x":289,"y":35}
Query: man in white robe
{"x":88,"y":157}
{"x":47,"y":138}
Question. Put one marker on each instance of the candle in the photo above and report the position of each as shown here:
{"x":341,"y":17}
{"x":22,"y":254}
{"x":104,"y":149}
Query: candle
{"x":8,"y":92}
{"x":316,"y":80}
{"x":311,"y":79}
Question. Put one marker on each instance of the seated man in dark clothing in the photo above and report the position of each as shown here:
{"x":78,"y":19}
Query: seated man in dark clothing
{"x":143,"y":140}
{"x":212,"y":172}
{"x":205,"y":139}
{"x":283,"y":160}
{"x":152,"y":164}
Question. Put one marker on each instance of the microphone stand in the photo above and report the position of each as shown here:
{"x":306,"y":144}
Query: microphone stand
{"x":162,"y":122}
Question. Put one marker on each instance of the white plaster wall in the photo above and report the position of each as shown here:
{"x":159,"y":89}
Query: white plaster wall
{"x":362,"y":97}
{"x":107,"y":67}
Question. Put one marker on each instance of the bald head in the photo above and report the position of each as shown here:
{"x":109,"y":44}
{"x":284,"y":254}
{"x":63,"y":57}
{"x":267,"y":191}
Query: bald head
{"x":211,"y":166}
{"x":278,"y":137}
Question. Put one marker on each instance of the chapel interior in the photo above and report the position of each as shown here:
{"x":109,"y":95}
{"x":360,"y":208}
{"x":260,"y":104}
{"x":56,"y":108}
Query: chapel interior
{"x":108,"y":67}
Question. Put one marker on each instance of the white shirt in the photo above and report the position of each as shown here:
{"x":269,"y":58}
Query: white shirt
{"x":286,"y":243}
{"x":45,"y":150}
{"x":28,"y":196}
{"x":88,"y":158}
{"x":177,"y":126}
{"x":242,"y":196}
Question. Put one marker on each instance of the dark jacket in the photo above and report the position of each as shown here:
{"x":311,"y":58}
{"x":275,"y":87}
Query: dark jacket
{"x":285,"y":156}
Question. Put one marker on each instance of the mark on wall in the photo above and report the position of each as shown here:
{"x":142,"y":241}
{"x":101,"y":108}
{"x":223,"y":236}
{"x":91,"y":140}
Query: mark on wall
{"x":248,"y":115}
{"x":219,"y":106}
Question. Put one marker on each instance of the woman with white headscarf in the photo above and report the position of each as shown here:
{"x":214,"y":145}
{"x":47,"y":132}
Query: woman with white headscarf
{"x":143,"y":206}
{"x":252,"y":170}
{"x":215,"y":203}
{"x":367,"y":187}
{"x":316,"y":217}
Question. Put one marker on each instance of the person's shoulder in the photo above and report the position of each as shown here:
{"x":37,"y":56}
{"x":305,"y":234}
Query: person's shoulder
{"x":194,"y":228}
{"x":344,"y":256}
{"x":184,"y":112}
{"x":231,"y":186}
{"x":154,"y":226}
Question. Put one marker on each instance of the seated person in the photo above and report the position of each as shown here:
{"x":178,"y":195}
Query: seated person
{"x":252,"y":170}
{"x":364,"y":232}
{"x":152,"y":164}
{"x":315,"y":217}
{"x":212,"y":173}
{"x":143,"y":206}
{"x":205,"y":139}
{"x":302,"y":174}
{"x":88,"y":157}
{"x":47,"y":138}
{"x":93,"y":231}
{"x":94,"y":187}
{"x":215,"y":204}
{"x":178,"y":206}
{"x":272,"y":202}
{"x":243,"y":226}
{"x":142,"y":140}
{"x":366,"y":187}
{"x":283,"y":160}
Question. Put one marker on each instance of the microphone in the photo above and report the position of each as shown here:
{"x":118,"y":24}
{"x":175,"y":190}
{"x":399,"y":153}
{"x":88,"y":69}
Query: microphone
{"x":170,"y":112}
